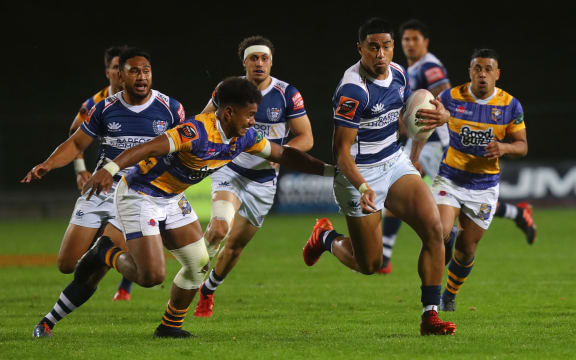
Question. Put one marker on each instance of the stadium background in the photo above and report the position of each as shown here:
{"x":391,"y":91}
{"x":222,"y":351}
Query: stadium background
{"x":54,"y":62}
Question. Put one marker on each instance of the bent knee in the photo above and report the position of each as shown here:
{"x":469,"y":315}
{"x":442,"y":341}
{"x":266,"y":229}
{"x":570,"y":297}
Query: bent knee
{"x":67,"y":265}
{"x":150,"y":279}
{"x":369,"y":269}
{"x":218,"y":230}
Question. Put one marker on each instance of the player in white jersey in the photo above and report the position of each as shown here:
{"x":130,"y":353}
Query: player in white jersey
{"x":243,"y":191}
{"x":375,"y":173}
{"x":128,"y":118}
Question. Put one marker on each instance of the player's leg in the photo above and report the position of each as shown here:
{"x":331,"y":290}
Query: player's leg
{"x":410,"y":199}
{"x":521,"y":214}
{"x":187,"y":245}
{"x":225,"y":204}
{"x":390,"y":227}
{"x":76,"y":241}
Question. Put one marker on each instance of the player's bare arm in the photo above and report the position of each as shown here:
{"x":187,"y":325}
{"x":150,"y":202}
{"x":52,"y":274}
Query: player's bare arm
{"x":82,"y":175}
{"x":103,"y":179}
{"x":343,"y":139}
{"x":62,"y":156}
{"x":518,"y":146}
{"x":296,"y":160}
{"x":302,"y":130}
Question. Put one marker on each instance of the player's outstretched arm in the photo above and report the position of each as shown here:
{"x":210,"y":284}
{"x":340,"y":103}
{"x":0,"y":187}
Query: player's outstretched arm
{"x":103,"y":179}
{"x":63,"y":155}
{"x":343,"y":140}
{"x":82,"y":175}
{"x":296,"y":159}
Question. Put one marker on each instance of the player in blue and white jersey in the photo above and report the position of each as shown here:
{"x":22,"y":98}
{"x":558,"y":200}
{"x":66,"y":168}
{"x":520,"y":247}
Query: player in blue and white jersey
{"x":375,"y":173}
{"x":128,"y":118}
{"x":243,"y":191}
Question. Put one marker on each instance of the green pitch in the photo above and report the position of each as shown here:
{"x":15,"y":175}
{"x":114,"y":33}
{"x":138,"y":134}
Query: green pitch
{"x":518,"y":303}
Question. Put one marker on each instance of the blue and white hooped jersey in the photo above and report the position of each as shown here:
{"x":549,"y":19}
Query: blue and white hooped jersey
{"x":120,"y":126}
{"x":280,"y":103}
{"x":427,"y":73}
{"x":372,"y":106}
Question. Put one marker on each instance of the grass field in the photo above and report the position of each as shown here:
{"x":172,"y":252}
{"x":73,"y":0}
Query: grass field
{"x":518,"y":303}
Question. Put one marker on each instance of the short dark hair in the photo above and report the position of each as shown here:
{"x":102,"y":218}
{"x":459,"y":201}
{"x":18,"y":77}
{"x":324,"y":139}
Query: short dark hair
{"x":112,"y":52}
{"x":253,"y":40}
{"x":485,"y":53}
{"x":415,"y":24}
{"x":237,"y":91}
{"x":130,"y":52}
{"x":374,"y":26}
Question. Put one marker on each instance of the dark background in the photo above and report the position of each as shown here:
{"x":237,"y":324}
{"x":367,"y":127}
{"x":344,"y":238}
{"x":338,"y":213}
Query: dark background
{"x":53,"y":62}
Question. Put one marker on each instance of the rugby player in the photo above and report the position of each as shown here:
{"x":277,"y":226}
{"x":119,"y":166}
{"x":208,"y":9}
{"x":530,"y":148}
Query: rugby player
{"x":120,"y":121}
{"x":373,"y":173}
{"x":485,"y":124}
{"x":243,"y":191}
{"x":148,"y":195}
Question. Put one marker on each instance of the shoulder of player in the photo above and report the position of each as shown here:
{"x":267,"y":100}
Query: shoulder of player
{"x":353,"y":84}
{"x":504,"y":98}
{"x":398,"y":71}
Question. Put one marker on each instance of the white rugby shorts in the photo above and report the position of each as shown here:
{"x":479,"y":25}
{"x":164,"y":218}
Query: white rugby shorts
{"x":143,"y":215}
{"x":380,"y":178}
{"x":478,"y":205}
{"x":257,"y":198}
{"x":95,"y":212}
{"x":430,"y":156}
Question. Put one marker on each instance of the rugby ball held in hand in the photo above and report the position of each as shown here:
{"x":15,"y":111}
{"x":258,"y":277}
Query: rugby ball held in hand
{"x":419,"y":99}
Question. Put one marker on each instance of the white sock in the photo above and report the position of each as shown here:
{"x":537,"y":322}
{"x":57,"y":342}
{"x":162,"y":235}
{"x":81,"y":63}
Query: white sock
{"x":511,"y":211}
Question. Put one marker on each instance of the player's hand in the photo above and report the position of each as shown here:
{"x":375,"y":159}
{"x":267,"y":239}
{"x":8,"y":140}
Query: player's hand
{"x":37,"y":172}
{"x":367,"y":201}
{"x":495,"y":149}
{"x":430,"y":119}
{"x":101,"y":181}
{"x":274,"y":165}
{"x":81,"y":179}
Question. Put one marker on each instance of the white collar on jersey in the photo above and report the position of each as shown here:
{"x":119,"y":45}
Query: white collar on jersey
{"x":481,"y":101}
{"x":383,"y":83}
{"x":137,"y":108}
{"x":225,"y":139}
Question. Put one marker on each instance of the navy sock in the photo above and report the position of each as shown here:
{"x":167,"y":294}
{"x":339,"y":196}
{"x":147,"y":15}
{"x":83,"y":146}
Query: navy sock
{"x":430,"y":294}
{"x":328,"y":237}
{"x":500,"y":209}
{"x":449,"y":247}
{"x":457,"y":274}
{"x":213,"y":281}
{"x":72,"y":297}
{"x":390,"y":226}
{"x":125,"y":284}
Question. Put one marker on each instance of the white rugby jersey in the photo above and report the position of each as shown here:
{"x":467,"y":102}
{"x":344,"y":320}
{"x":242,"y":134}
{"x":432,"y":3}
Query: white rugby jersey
{"x":119,"y":125}
{"x":372,"y":106}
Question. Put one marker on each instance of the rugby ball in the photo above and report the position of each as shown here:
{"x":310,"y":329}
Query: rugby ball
{"x":419,"y":99}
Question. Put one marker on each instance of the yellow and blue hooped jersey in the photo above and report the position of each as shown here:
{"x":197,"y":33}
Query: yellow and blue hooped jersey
{"x":473,"y":124}
{"x":201,"y":149}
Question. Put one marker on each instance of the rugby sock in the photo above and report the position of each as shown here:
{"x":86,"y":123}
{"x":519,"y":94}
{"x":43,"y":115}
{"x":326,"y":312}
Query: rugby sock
{"x":449,"y":246}
{"x":72,"y":297}
{"x":457,"y":274}
{"x":125,"y":284}
{"x":111,"y":256}
{"x":506,"y":210}
{"x":211,"y":283}
{"x":173,"y":318}
{"x":390,"y":227}
{"x":328,"y":237}
{"x":430,"y":297}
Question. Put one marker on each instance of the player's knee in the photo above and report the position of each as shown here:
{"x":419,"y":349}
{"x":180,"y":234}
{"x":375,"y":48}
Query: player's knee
{"x":151,"y":278}
{"x":194,"y":260}
{"x":370,"y":268}
{"x":218,"y":230}
{"x":221,"y":217}
{"x":66,"y":265}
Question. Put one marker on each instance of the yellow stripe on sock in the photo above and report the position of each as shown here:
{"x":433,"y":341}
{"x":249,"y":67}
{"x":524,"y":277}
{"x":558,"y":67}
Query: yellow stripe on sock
{"x":464,"y":266}
{"x":115,"y":259}
{"x":174,"y":326}
{"x":177,"y":311}
{"x":177,"y":321}
{"x":453,"y":288}
{"x":107,"y":257}
{"x":453,"y":276}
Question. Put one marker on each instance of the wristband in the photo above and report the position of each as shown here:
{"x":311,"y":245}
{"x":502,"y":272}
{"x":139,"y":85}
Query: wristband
{"x":79,"y":165}
{"x":329,"y":170}
{"x":111,"y":167}
{"x":363,"y":188}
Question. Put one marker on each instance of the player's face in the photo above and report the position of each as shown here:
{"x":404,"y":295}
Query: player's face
{"x":112,"y":73}
{"x":258,"y":66}
{"x":376,"y":51}
{"x":136,"y":76}
{"x":414,"y":44}
{"x":240,"y":118}
{"x":484,"y":73}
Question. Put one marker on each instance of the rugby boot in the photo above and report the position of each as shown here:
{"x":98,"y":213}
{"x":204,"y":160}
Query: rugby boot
{"x":42,"y":330}
{"x":447,"y":303}
{"x":121,"y":295}
{"x":90,"y":261}
{"x":385,"y":269}
{"x":168,"y":332}
{"x":314,"y":246}
{"x":432,"y":325}
{"x":205,"y":305}
{"x":525,"y":221}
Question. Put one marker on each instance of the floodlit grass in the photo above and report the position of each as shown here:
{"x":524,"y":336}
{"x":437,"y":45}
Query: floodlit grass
{"x":519,"y":302}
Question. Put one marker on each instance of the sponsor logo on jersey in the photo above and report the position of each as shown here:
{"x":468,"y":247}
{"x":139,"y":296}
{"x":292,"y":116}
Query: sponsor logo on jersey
{"x":377,"y":108}
{"x":273,"y":114}
{"x":266,"y":130}
{"x":188,"y":133}
{"x":461,"y":109}
{"x":401,"y":92}
{"x":519,"y":119}
{"x":114,"y":127}
{"x":471,"y":137}
{"x":382,"y":120}
{"x":181,"y":113}
{"x":159,"y":126}
{"x":298,"y":101}
{"x":434,"y":74}
{"x":347,"y":107}
{"x":496,"y":114}
{"x":90,"y":114}
{"x":184,"y":206}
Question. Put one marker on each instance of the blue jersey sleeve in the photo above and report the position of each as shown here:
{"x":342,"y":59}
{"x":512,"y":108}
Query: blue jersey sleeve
{"x":348,"y":104}
{"x":433,"y":75}
{"x":92,"y":126}
{"x":294,"y":103}
{"x":177,"y":111}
